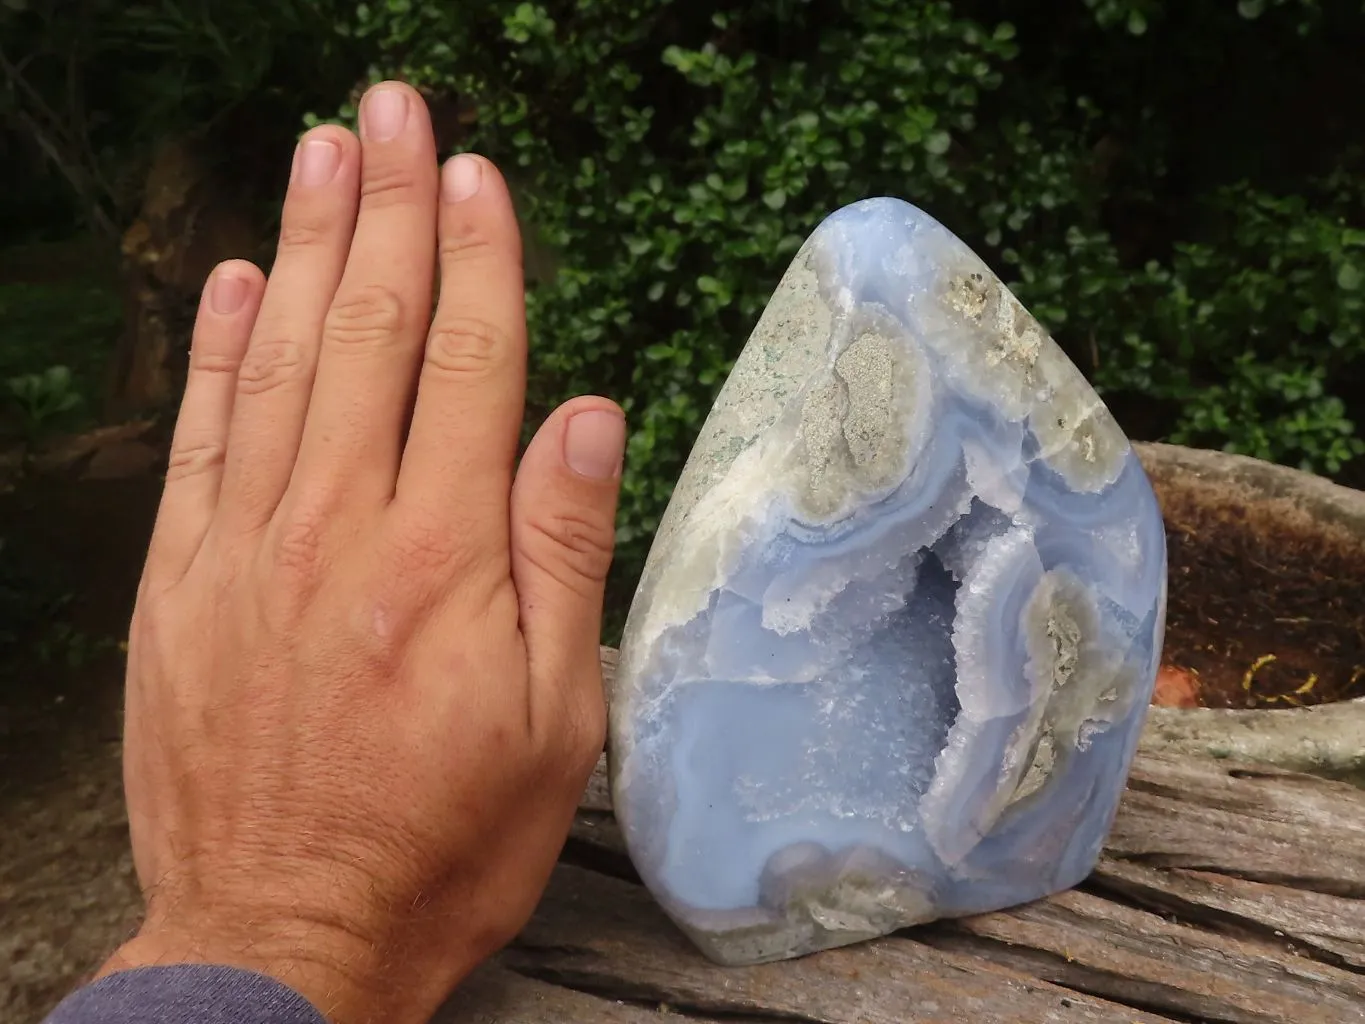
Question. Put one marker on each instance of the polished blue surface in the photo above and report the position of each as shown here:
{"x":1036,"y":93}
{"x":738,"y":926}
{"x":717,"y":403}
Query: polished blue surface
{"x":894,"y":645}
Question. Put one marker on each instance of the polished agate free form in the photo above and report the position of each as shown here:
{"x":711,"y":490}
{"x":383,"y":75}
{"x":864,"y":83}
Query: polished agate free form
{"x":895,"y":640}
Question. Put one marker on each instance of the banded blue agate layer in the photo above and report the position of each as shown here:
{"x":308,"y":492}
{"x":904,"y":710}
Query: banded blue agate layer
{"x":896,"y":637}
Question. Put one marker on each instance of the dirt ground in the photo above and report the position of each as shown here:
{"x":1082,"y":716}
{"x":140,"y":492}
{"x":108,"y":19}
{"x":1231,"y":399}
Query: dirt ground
{"x":66,"y":877}
{"x":66,"y":874}
{"x":1264,"y":619}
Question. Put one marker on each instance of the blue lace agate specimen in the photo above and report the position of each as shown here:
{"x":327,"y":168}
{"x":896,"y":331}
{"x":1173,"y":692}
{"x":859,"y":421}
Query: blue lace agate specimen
{"x":898,"y":632}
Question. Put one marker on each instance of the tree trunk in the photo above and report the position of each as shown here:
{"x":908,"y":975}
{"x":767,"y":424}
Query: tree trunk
{"x":190,"y":220}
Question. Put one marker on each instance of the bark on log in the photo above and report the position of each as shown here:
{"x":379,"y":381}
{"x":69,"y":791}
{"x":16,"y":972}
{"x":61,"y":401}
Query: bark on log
{"x":1326,"y":740}
{"x":190,"y":221}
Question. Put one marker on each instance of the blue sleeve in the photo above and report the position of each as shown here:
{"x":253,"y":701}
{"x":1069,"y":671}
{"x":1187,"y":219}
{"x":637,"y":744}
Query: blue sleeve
{"x":185,"y":994}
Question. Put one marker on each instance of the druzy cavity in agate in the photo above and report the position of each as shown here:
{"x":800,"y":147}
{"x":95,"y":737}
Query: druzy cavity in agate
{"x":897,"y":634}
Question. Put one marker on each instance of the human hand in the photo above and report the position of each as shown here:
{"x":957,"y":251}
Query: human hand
{"x":363,"y":684}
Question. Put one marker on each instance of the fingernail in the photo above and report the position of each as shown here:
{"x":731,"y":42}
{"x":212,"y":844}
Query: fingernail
{"x":384,"y":114}
{"x":318,"y":161}
{"x":227,"y":293}
{"x":594,"y":443}
{"x":461,"y":178}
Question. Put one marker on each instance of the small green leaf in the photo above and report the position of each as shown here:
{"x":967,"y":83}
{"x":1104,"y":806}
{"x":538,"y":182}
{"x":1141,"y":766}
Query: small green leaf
{"x":1348,"y":277}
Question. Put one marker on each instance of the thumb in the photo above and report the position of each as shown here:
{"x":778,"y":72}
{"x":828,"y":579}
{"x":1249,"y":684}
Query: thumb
{"x":563,"y":526}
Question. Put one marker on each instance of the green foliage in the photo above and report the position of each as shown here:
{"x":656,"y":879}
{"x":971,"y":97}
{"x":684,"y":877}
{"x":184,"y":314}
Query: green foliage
{"x":1136,"y":15}
{"x":53,"y":338}
{"x":62,"y":645}
{"x":43,"y":398}
{"x":1258,"y":328}
{"x":1174,"y":189}
{"x":673,"y":156}
{"x":35,"y":606}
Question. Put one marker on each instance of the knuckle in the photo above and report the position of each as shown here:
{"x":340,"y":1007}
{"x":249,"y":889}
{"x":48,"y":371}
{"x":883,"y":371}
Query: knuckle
{"x":299,"y":541}
{"x":210,"y":363}
{"x":466,"y":346}
{"x":463,"y":244}
{"x":370,"y":316}
{"x":388,"y":184}
{"x":193,"y":458}
{"x":376,"y":634}
{"x":422,"y":544}
{"x":570,"y":748}
{"x":573,"y":547}
{"x":268,"y":364}
{"x":587,"y":734}
{"x":303,"y":231}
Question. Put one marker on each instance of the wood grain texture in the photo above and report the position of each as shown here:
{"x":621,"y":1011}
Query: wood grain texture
{"x":497,"y":995}
{"x":1261,"y":824}
{"x":1330,"y":928}
{"x":1093,"y":944}
{"x":603,"y":935}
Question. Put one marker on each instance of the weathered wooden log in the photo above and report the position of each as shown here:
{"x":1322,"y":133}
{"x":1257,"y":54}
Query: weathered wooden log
{"x":1257,"y":490}
{"x":1227,"y":892}
{"x":1284,"y":522}
{"x":1325,"y":740}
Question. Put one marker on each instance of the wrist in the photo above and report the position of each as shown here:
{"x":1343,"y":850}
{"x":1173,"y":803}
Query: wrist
{"x":340,"y":974}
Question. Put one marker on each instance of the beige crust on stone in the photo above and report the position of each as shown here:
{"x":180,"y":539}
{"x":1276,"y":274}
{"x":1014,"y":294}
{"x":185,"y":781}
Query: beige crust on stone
{"x":697,"y":537}
{"x":786,"y":346}
{"x":1024,"y":373}
{"x":856,"y":435}
{"x":867,"y":369}
{"x":1080,"y":680}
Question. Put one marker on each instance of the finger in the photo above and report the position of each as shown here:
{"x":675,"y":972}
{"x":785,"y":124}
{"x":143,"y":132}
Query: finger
{"x":461,"y":447}
{"x":227,"y":310}
{"x":563,"y":527}
{"x":372,"y":338}
{"x":277,"y":374}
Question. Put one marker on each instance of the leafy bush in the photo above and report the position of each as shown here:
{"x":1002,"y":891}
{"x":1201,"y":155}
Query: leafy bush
{"x":1174,"y":189}
{"x":92,"y":86}
{"x":43,"y":399}
{"x":53,"y":339}
{"x":672,"y":156}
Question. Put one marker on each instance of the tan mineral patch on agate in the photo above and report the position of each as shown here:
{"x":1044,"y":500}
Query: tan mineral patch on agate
{"x":1025,"y":372}
{"x":858,"y":430}
{"x":1081,"y":683}
{"x":730,"y":462}
{"x":787,"y":344}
